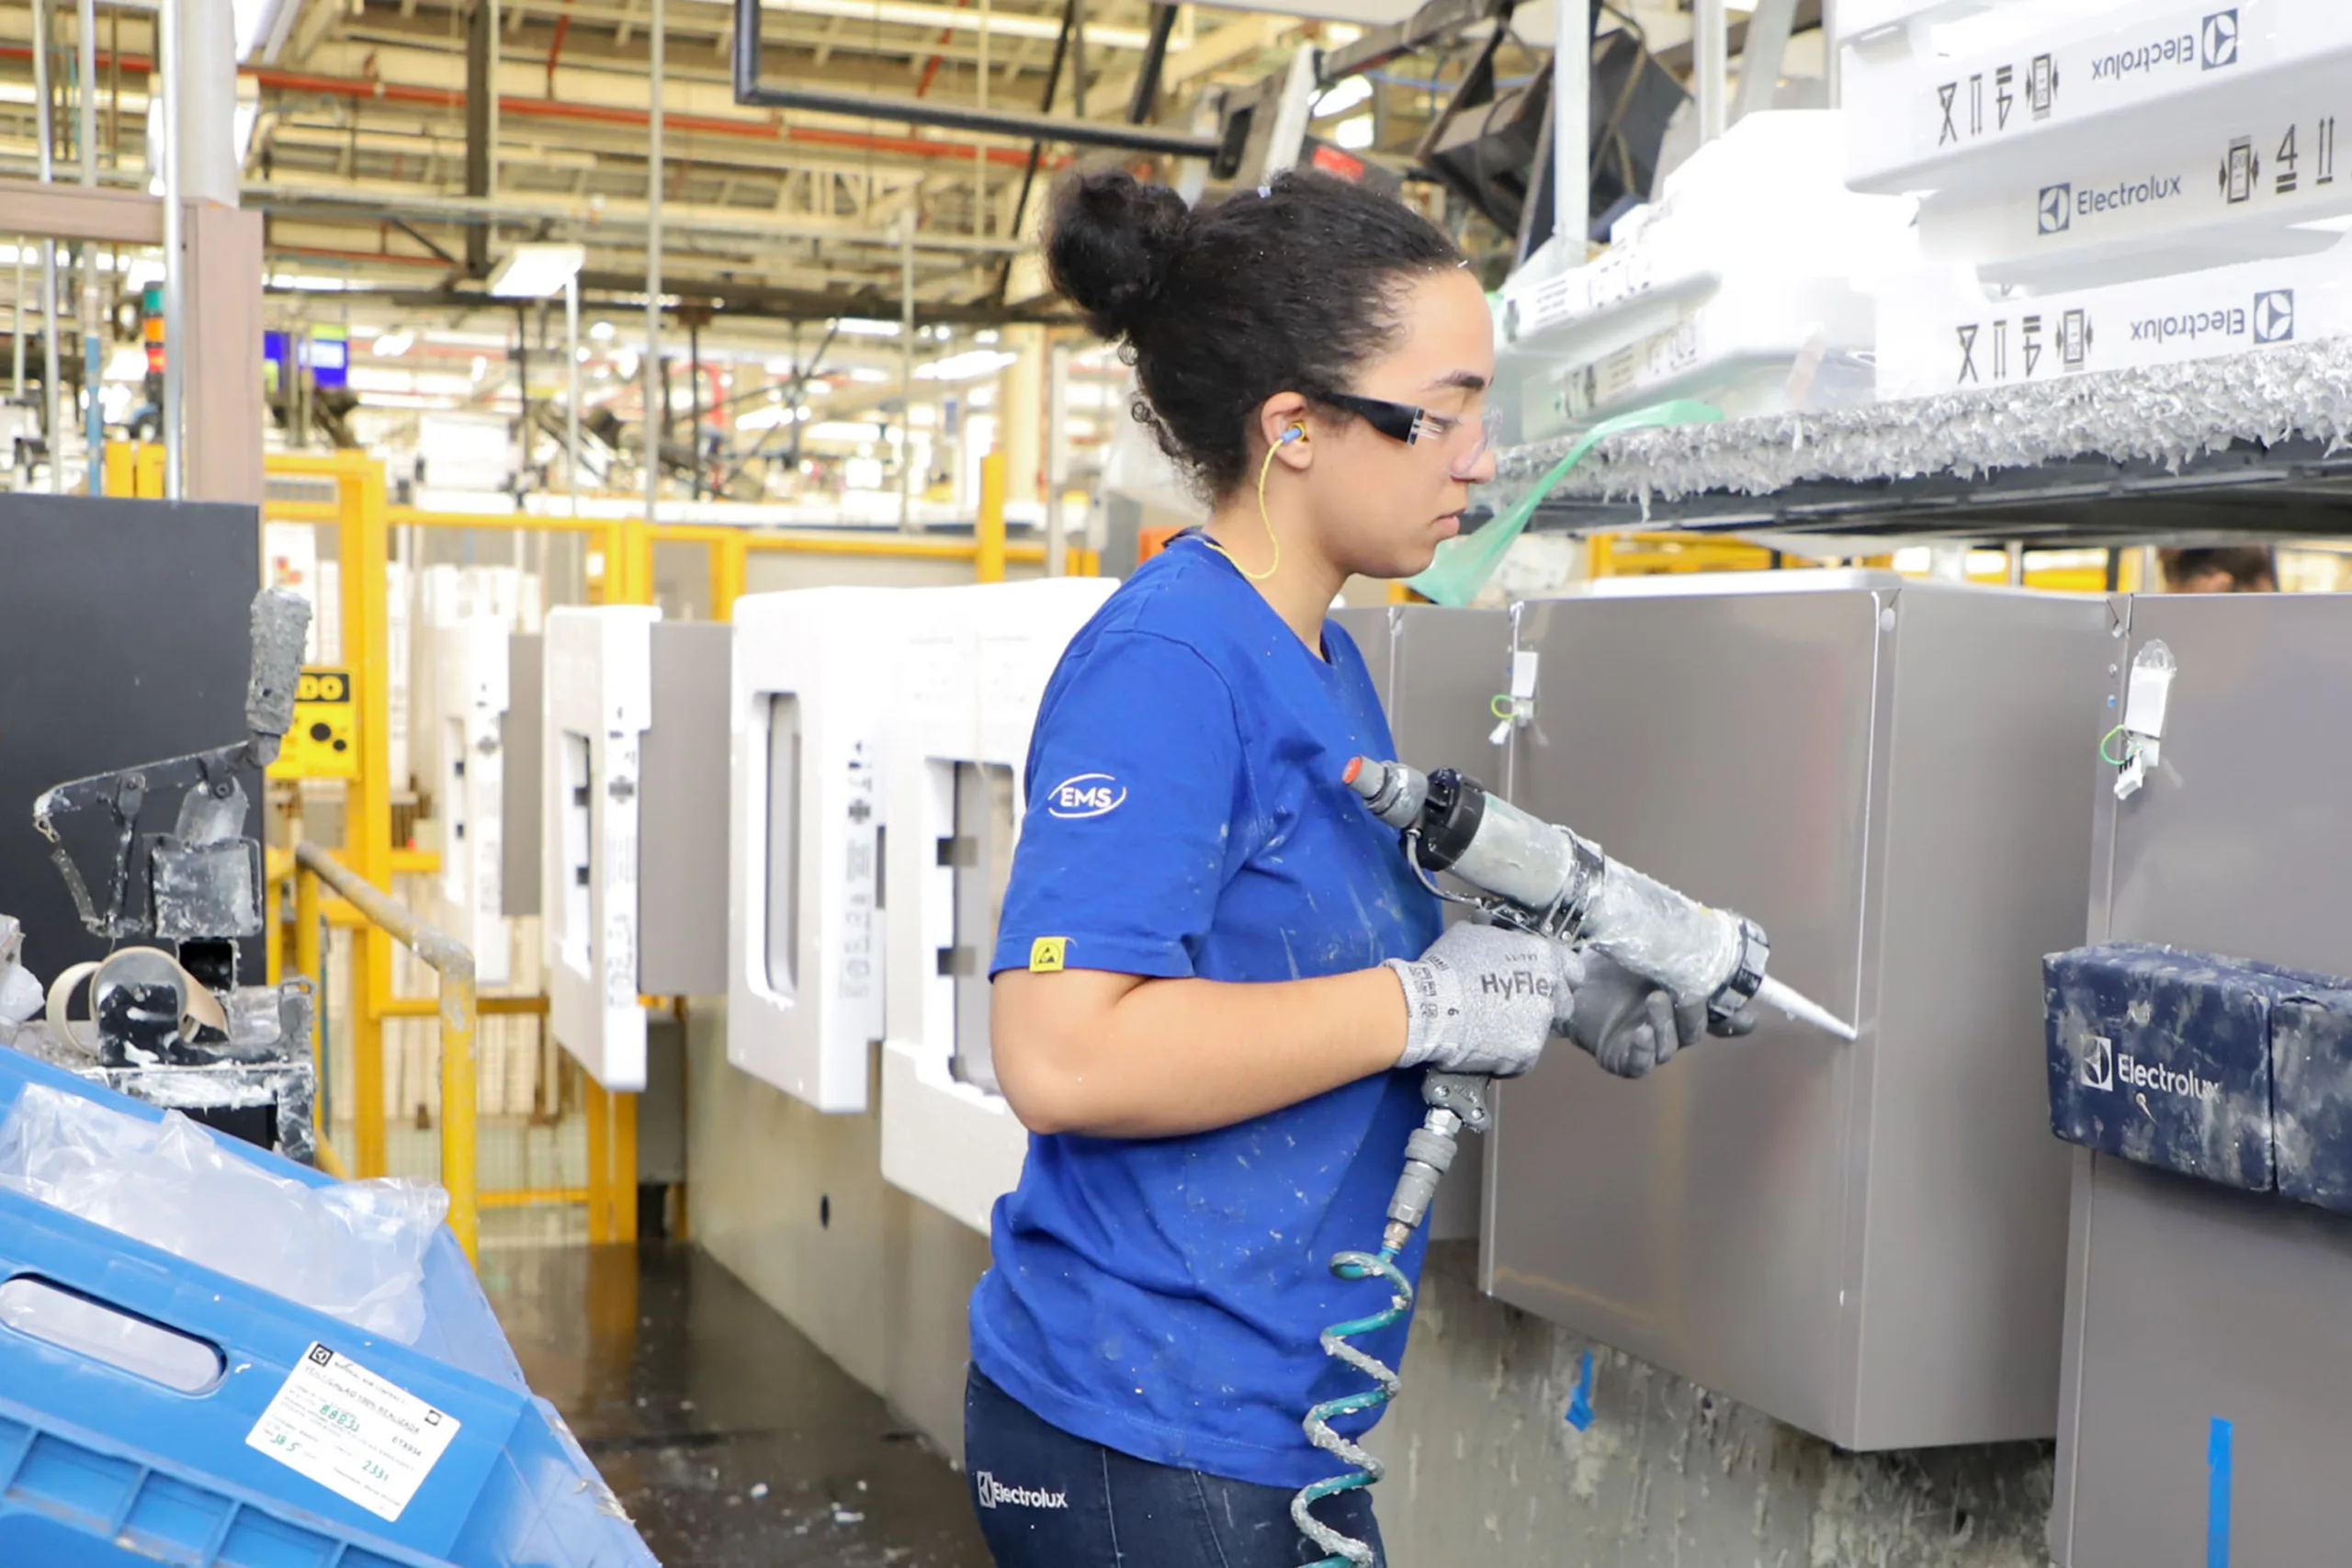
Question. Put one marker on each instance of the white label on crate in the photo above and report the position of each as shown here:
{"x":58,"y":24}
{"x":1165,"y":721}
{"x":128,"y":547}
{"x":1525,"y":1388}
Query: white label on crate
{"x":366,"y":1440}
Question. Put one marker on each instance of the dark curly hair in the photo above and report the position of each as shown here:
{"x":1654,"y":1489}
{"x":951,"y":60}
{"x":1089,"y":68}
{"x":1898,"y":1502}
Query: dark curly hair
{"x":1218,"y":308}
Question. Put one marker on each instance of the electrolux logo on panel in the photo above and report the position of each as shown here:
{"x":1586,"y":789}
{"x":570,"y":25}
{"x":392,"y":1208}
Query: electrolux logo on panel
{"x":2103,"y":1067}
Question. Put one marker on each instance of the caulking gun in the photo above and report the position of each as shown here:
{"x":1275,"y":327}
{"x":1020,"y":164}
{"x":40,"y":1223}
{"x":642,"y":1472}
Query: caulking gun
{"x":1526,"y":873}
{"x":1542,"y":878}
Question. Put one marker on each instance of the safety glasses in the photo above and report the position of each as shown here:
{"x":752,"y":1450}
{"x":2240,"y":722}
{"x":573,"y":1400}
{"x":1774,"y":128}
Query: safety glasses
{"x":1412,"y":425}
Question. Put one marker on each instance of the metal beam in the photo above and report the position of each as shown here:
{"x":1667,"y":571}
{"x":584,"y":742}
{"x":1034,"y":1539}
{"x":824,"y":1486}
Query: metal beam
{"x":1761,"y":55}
{"x":482,"y":96}
{"x":923,"y":111}
{"x":1154,"y":56}
{"x":1226,"y":47}
{"x":371,"y":202}
{"x":1036,"y":148}
{"x":617,"y":293}
{"x":1677,"y":58}
{"x":1434,"y":21}
{"x":82,"y":212}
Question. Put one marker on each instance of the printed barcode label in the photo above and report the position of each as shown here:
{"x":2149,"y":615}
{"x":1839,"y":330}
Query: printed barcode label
{"x":366,"y":1440}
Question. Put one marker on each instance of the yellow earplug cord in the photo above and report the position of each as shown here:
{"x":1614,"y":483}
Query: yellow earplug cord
{"x":1264,"y":469}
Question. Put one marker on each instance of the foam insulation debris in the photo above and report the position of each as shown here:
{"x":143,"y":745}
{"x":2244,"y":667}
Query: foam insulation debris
{"x":1484,"y":1466}
{"x":2168,"y":414}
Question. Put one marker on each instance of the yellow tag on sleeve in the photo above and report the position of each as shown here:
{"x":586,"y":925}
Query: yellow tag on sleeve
{"x":1045,"y":955}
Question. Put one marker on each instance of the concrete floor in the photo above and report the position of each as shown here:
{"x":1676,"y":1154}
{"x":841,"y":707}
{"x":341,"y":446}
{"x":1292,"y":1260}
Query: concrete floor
{"x":731,"y":1440}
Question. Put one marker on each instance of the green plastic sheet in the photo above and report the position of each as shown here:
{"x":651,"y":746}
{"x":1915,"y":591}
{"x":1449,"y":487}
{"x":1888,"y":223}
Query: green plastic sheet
{"x":1465,"y":563}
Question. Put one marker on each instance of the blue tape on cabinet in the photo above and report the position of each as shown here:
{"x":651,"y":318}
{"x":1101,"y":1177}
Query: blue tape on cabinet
{"x":2219,"y":1483}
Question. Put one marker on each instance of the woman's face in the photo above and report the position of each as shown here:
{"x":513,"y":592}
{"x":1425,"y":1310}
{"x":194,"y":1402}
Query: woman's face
{"x":1383,"y":506}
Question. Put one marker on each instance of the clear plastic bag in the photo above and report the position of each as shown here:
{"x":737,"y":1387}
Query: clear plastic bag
{"x":354,"y":1251}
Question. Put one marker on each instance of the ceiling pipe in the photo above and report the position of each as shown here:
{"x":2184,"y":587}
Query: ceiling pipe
{"x":342,"y":203}
{"x":618,"y":293}
{"x":363,"y":88}
{"x":1078,"y":132}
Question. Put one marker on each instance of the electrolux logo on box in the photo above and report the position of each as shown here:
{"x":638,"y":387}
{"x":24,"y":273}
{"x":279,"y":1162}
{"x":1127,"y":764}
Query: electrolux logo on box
{"x":2274,"y":315}
{"x":2060,"y":205}
{"x":2098,"y":1064}
{"x":2220,"y":37}
{"x":2270,"y":319}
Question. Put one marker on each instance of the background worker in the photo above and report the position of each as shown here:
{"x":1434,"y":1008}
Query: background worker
{"x":1213,"y":996}
{"x":2227,"y":569}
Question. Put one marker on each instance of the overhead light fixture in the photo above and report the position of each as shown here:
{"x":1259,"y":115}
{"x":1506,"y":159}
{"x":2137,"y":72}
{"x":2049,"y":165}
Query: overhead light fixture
{"x":965,"y":367}
{"x":1343,"y":97}
{"x":536,"y":271}
{"x":392,"y":345}
{"x":1356,"y":134}
{"x":865,"y":326}
{"x":602,"y":331}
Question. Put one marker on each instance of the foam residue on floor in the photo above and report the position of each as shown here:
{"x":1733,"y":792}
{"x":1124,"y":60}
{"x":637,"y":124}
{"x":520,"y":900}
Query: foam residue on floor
{"x":731,"y":1440}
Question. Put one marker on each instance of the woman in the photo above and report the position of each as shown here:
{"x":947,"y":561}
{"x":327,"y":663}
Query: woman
{"x":1210,"y":990}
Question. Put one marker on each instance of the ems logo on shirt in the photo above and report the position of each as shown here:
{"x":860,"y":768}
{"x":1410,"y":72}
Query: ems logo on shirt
{"x":1086,"y":794}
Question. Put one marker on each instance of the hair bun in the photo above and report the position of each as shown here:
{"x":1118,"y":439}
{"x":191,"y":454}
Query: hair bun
{"x":1109,"y":245}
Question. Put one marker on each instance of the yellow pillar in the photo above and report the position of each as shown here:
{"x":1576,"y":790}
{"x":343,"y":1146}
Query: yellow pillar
{"x":612,"y":1165}
{"x":629,"y":563}
{"x":461,"y":1133}
{"x":598,"y":1112}
{"x":366,"y":547}
{"x":989,"y":531}
{"x":1019,"y":412}
{"x":730,"y":558}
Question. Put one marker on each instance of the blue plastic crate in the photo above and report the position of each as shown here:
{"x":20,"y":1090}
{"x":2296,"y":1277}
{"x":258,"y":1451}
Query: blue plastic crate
{"x":102,"y":1468}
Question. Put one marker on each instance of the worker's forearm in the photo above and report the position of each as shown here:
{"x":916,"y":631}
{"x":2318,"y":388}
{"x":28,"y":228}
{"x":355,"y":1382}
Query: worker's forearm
{"x":1168,"y":1057}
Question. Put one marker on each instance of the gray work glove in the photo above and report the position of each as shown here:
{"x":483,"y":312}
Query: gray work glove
{"x":1631,"y":1025}
{"x":1486,"y":1000}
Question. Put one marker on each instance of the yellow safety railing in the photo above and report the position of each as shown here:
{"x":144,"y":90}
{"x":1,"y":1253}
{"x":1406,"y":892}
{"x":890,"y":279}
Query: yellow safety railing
{"x":454,"y":962}
{"x":363,"y":516}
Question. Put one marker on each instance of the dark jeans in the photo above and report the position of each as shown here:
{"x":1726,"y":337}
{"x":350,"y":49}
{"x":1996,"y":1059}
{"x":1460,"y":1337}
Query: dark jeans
{"x":1047,"y":1499}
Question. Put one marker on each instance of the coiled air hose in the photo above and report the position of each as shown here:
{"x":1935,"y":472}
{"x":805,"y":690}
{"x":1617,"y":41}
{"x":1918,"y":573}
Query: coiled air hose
{"x":1346,"y":1552}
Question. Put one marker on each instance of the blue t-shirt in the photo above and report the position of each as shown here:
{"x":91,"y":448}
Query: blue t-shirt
{"x":1187,"y":816}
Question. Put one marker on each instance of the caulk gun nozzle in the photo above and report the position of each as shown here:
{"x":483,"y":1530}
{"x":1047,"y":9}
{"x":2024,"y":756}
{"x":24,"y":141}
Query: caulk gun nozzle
{"x":1785,"y":997}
